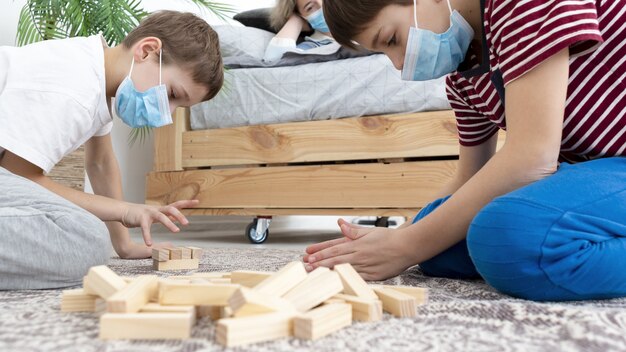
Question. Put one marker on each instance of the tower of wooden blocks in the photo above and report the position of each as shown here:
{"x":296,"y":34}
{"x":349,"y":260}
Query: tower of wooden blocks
{"x":248,"y":306}
{"x":179,"y":258}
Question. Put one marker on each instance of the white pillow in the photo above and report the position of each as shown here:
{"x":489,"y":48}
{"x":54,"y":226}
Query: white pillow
{"x":238,"y":41}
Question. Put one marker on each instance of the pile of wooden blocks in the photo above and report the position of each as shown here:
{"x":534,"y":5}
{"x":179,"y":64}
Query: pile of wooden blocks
{"x":247,"y":306}
{"x":179,"y":258}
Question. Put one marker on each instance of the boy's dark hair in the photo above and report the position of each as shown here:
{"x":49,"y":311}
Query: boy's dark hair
{"x":189,"y":42}
{"x":347,"y":18}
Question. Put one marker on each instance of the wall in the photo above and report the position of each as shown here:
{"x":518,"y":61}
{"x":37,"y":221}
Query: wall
{"x":134,"y":161}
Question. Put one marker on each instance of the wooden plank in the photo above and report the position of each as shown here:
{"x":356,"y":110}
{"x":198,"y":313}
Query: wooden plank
{"x":397,"y":303}
{"x":103,"y":281}
{"x":314,"y":290}
{"x":168,"y":142}
{"x":323,"y":186}
{"x":70,"y":171}
{"x":232,"y":332}
{"x":249,"y":278}
{"x":175,"y":264}
{"x":322,"y":321}
{"x":363,"y":309}
{"x":161,"y":255}
{"x":207,"y":294}
{"x":283,"y":280}
{"x":423,"y":134}
{"x":155,"y":326}
{"x":353,"y":283}
{"x":245,"y":302}
{"x":407,"y":213}
{"x":134,"y":296}
{"x":77,"y":300}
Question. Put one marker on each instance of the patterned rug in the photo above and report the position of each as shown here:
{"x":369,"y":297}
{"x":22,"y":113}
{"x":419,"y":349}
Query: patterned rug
{"x":461,"y":316}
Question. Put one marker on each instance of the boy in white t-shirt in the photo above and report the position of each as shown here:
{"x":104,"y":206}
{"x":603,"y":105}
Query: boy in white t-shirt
{"x":56,"y":96}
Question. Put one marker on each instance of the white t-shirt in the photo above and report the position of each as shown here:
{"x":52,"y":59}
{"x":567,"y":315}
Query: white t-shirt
{"x":52,"y":98}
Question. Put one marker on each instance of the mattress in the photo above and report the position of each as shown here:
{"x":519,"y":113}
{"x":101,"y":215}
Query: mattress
{"x":328,"y":90}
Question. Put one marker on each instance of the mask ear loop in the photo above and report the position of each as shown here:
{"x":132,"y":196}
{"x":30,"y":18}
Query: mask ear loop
{"x":415,"y":12}
{"x":449,"y":7}
{"x":132,"y":63}
{"x":160,"y":67}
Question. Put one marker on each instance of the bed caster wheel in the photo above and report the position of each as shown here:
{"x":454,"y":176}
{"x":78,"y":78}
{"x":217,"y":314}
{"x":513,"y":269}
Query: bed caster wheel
{"x":382,"y":221}
{"x":258,"y":230}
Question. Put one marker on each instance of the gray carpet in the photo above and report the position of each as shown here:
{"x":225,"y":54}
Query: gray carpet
{"x":461,"y":316}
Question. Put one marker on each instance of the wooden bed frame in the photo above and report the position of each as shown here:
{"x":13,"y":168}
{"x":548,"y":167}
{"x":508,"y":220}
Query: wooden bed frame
{"x":389,"y":165}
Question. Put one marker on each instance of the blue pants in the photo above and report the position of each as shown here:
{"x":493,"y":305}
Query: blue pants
{"x":561,"y":238}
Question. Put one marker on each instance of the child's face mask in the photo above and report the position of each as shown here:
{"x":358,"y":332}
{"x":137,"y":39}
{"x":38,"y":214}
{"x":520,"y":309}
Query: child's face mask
{"x":317,"y":21}
{"x":143,"y":109}
{"x":430,"y":55}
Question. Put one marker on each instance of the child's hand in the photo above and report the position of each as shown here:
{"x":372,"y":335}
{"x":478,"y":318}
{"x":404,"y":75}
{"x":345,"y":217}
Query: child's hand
{"x":139,"y":215}
{"x":376,"y":253}
{"x":135,"y":250}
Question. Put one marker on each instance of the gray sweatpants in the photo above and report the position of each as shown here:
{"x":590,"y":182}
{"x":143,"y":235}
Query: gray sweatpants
{"x":45,"y":240}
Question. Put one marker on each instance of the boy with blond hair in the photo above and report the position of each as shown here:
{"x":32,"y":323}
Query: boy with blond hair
{"x":56,"y":96}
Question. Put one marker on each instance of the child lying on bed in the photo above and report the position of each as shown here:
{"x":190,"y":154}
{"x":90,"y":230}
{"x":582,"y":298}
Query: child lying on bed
{"x":292,"y":17}
{"x":56,"y":96}
{"x":543,"y":218}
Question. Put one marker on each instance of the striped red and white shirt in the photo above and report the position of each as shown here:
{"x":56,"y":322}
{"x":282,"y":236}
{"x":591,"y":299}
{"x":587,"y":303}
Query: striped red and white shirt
{"x":518,"y":36}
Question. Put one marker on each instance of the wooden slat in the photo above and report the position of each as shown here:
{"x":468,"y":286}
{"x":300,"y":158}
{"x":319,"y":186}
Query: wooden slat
{"x":168,"y":142}
{"x":374,"y":185}
{"x":407,"y":213}
{"x":70,"y":171}
{"x":424,"y":134}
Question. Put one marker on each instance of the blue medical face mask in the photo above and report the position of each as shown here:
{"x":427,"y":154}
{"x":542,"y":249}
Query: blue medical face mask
{"x":143,"y":109}
{"x":430,"y":55}
{"x":317,"y":21}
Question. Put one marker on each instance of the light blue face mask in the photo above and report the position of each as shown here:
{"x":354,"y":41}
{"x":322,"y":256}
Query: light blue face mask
{"x":430,"y":55}
{"x":317,"y":21}
{"x":143,"y":109}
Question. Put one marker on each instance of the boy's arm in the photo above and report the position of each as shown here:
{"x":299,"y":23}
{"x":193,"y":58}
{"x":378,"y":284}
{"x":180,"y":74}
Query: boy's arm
{"x":535,"y":104}
{"x":106,"y":209}
{"x":105,"y":177}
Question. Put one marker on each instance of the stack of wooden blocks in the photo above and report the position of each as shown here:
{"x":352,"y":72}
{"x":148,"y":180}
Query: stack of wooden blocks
{"x":248,"y":306}
{"x":180,"y":258}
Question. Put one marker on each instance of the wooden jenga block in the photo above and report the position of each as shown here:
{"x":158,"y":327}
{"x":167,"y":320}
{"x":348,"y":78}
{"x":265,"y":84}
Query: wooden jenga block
{"x":225,"y":312}
{"x":186,"y":253}
{"x":283,"y":280}
{"x":134,"y":296}
{"x":419,"y":293}
{"x":353,"y":283}
{"x":77,"y":300}
{"x":363,"y":309}
{"x":242,"y":331}
{"x":246,"y":302}
{"x":397,"y":303}
{"x":161,"y":255}
{"x":219,"y":281}
{"x":176,"y":253}
{"x":196,"y":253}
{"x":100,"y":306}
{"x":334,"y":300}
{"x":322,"y":321}
{"x":103,"y":281}
{"x":178,"y":264}
{"x":157,"y":308}
{"x":249,"y":278}
{"x":146,"y":326}
{"x":207,"y":294}
{"x":213,"y":312}
{"x":314,"y":290}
